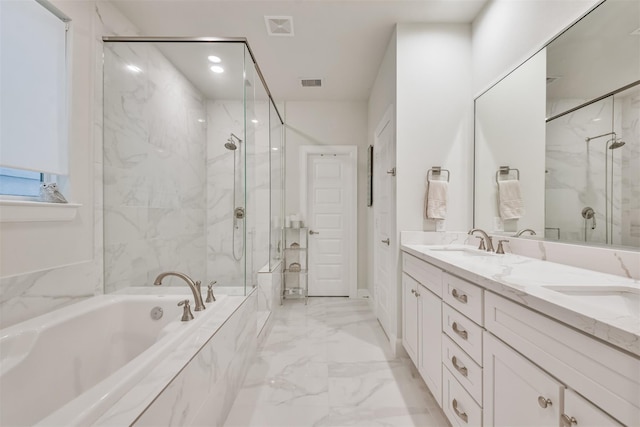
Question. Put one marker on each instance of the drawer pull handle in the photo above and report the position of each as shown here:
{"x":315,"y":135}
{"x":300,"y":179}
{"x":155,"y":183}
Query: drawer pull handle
{"x":463,"y":416}
{"x":460,"y":297}
{"x":462,"y":369}
{"x":463,"y":334}
{"x":567,"y":421}
{"x":544,"y":402}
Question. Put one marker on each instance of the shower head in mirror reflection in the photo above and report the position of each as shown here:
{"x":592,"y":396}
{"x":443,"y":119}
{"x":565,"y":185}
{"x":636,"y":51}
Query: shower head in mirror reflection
{"x":615,"y":141}
{"x":231,"y":144}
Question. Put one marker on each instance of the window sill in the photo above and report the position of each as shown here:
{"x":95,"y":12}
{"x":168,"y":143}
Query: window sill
{"x":27,"y":211}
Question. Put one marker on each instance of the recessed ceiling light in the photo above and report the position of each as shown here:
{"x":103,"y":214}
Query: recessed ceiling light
{"x":134,"y":69}
{"x":217,"y":69}
{"x":201,"y":120}
{"x":254,"y":121}
{"x":274,"y":148}
{"x":214,"y":59}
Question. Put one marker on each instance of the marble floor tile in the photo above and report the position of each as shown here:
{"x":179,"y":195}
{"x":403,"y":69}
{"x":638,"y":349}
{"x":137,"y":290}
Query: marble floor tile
{"x":329,"y":364}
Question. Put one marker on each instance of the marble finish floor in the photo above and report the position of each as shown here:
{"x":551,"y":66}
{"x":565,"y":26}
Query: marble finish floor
{"x":329,"y":364}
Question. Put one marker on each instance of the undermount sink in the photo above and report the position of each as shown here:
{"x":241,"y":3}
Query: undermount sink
{"x":622,"y":299}
{"x":461,"y":250}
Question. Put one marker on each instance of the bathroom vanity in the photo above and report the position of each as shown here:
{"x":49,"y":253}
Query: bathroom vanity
{"x":504,"y":340}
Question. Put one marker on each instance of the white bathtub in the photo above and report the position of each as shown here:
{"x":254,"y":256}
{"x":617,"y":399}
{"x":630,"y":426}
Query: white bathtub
{"x":69,"y":366}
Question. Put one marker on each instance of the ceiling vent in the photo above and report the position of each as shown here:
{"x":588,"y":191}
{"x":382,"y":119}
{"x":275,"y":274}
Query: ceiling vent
{"x":279,"y":25}
{"x":311,"y":82}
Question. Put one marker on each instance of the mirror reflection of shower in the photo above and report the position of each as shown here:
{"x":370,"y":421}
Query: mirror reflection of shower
{"x":612,"y":143}
{"x":234,"y":144}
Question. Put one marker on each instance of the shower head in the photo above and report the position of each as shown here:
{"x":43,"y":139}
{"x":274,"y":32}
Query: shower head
{"x":616,"y":144}
{"x":230,"y":145}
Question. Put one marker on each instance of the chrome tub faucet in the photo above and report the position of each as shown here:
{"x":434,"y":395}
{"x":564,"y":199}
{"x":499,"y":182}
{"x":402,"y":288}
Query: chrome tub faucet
{"x":194,"y":286}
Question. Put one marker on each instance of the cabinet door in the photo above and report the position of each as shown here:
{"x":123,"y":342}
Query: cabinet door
{"x":516,"y":392}
{"x":580,"y":412}
{"x":430,"y":341}
{"x":410,"y":317}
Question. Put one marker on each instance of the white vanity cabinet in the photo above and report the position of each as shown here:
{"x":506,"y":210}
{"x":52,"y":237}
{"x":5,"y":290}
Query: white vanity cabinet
{"x":580,"y":412}
{"x":504,"y":364}
{"x":421,"y":320}
{"x":609,"y":379}
{"x":517,"y":392}
{"x":410,"y":317}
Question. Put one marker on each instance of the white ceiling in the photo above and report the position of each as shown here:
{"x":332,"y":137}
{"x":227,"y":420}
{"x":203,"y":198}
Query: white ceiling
{"x":341,"y":42}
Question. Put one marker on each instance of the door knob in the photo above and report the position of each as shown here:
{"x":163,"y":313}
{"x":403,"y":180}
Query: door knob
{"x":313,"y":232}
{"x":387,"y":241}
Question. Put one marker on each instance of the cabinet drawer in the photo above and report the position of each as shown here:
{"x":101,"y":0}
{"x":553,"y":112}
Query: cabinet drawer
{"x":463,"y":296}
{"x":428,"y":275}
{"x":463,"y":332}
{"x":464,"y":369}
{"x":457,"y":404}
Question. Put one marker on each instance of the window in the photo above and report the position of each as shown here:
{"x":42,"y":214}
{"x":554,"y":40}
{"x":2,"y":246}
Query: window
{"x":34,"y":119}
{"x":15,"y":182}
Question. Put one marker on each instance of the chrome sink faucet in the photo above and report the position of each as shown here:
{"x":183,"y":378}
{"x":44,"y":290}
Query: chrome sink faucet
{"x":194,"y":286}
{"x":485,"y":238}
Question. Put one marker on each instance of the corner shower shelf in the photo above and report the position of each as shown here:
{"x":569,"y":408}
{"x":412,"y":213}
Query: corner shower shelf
{"x":295,"y":282}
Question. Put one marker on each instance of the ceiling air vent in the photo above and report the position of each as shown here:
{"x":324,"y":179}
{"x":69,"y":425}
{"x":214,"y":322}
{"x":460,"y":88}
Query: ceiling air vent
{"x":311,"y":82}
{"x":279,"y":25}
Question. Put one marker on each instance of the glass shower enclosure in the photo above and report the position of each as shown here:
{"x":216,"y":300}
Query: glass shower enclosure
{"x":192,"y":164}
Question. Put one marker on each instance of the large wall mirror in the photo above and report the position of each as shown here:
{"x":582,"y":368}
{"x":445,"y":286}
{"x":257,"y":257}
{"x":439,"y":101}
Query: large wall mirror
{"x":557,"y":141}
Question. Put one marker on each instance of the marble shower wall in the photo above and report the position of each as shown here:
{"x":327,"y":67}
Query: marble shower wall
{"x":575,"y":174}
{"x":154,"y":169}
{"x":223,"y":118}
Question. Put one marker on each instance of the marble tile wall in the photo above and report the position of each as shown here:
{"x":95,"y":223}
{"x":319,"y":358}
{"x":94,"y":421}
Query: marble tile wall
{"x":205,"y":390}
{"x":154,"y":168}
{"x":223,"y":118}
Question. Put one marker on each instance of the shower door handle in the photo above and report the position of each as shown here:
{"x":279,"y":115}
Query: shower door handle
{"x":311,"y":232}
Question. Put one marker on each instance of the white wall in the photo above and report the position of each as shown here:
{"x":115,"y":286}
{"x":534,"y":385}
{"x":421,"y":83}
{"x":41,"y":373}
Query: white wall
{"x":383,"y":95}
{"x":434,"y":120}
{"x":508,"y":32}
{"x":510,"y":131}
{"x":328,"y":123}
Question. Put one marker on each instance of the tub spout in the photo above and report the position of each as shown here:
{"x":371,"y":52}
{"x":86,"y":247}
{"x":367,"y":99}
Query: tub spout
{"x":194,"y":286}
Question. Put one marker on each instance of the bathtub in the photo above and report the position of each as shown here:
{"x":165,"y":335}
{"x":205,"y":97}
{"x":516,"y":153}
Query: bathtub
{"x":69,"y":366}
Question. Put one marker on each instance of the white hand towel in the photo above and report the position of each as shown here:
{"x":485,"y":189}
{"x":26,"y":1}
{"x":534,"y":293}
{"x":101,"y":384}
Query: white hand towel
{"x":510,"y":203}
{"x":436,"y":199}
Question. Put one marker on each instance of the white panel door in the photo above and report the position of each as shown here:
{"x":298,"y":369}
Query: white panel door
{"x":384,"y":231}
{"x":329,"y":176}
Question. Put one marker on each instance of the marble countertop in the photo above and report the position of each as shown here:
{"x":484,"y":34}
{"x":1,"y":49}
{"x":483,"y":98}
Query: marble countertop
{"x":599,"y":304}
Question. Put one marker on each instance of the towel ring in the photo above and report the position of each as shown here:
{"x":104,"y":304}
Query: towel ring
{"x":504,"y":170}
{"x":437,"y":171}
